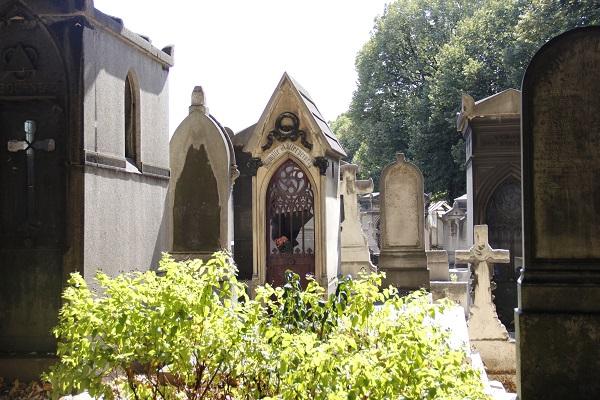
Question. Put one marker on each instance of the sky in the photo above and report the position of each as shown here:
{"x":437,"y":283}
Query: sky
{"x":237,"y":50}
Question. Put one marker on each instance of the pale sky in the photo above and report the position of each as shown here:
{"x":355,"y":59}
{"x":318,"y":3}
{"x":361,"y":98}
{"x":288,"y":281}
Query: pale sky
{"x":237,"y":50}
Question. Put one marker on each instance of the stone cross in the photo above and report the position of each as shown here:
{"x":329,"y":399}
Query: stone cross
{"x":483,"y":323}
{"x":29,"y":145}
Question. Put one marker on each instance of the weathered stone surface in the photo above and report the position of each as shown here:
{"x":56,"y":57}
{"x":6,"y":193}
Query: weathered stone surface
{"x":355,"y":250}
{"x":402,"y":226}
{"x":558,"y":320}
{"x":370,"y":219}
{"x":457,"y":291}
{"x":437,"y":262}
{"x":483,"y":322}
{"x":486,"y":332}
{"x":564,"y":126}
{"x":203,"y":170}
{"x":456,"y":228}
{"x":557,"y":355}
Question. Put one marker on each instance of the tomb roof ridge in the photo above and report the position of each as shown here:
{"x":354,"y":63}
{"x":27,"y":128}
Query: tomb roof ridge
{"x":93,"y":17}
{"x":316,"y":113}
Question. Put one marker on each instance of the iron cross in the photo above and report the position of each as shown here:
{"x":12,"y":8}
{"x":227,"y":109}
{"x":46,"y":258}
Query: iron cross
{"x":29,"y":145}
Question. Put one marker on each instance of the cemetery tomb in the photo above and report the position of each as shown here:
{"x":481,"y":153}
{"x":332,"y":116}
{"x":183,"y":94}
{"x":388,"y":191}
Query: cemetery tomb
{"x":293,"y":163}
{"x":454,"y":223}
{"x":78,"y":190}
{"x":558,"y":319}
{"x":490,"y":128}
{"x":434,"y":227}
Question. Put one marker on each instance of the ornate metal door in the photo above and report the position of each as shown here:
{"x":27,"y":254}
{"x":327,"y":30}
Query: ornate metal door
{"x":290,"y":224}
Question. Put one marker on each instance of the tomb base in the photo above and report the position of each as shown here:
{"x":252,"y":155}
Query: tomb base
{"x":404,"y":269}
{"x":26,"y":368}
{"x":559,"y":355}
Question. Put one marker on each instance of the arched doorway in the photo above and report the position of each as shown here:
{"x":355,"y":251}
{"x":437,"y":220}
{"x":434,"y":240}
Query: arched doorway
{"x":290,"y":224}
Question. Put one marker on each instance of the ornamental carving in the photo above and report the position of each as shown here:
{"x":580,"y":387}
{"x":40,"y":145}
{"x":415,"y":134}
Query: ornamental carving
{"x":287,"y":127}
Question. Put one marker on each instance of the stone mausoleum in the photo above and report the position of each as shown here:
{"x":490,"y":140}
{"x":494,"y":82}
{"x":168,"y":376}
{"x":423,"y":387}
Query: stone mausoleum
{"x":291,"y":175}
{"x":83,"y":163}
{"x":491,"y":130}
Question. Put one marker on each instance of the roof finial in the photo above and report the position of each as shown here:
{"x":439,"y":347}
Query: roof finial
{"x":198,"y":100}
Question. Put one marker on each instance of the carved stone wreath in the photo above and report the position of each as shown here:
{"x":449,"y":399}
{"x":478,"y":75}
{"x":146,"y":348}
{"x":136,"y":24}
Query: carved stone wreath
{"x":287,"y":127}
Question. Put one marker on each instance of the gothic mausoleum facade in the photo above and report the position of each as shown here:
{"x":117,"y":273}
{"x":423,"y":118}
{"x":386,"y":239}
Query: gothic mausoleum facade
{"x":292,"y":176}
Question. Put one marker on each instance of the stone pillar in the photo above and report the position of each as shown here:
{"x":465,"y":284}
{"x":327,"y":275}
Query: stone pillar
{"x":402,"y":226}
{"x":558,"y":319}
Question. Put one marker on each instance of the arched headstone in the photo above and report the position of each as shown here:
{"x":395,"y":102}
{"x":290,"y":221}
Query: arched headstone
{"x":558,"y":320}
{"x":403,"y":256}
{"x":203,"y":170}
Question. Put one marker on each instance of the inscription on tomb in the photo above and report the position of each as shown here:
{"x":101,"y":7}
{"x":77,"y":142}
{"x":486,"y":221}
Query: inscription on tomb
{"x":291,"y":148}
{"x":565,"y":131}
{"x":401,"y":188}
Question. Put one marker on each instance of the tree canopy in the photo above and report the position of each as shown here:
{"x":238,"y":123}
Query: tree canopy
{"x":422,"y":55}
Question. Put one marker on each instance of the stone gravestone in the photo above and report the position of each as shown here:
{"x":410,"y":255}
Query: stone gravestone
{"x":355,"y":250}
{"x":486,"y":332}
{"x":203,"y":170}
{"x":558,"y":319}
{"x":402,"y":226}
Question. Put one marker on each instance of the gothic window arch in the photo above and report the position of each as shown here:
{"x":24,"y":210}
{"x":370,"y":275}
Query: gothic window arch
{"x":132,"y":120}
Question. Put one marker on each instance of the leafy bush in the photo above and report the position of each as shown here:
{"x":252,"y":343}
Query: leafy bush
{"x":190,"y":332}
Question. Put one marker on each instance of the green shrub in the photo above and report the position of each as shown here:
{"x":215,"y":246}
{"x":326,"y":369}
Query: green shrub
{"x":184,"y":334}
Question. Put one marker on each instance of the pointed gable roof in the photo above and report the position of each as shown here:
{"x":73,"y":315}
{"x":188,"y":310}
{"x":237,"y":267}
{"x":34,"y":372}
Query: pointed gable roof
{"x":305,"y":99}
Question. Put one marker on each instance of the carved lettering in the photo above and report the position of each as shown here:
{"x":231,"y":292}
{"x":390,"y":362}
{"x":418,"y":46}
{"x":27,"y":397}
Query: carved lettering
{"x":289,"y":148}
